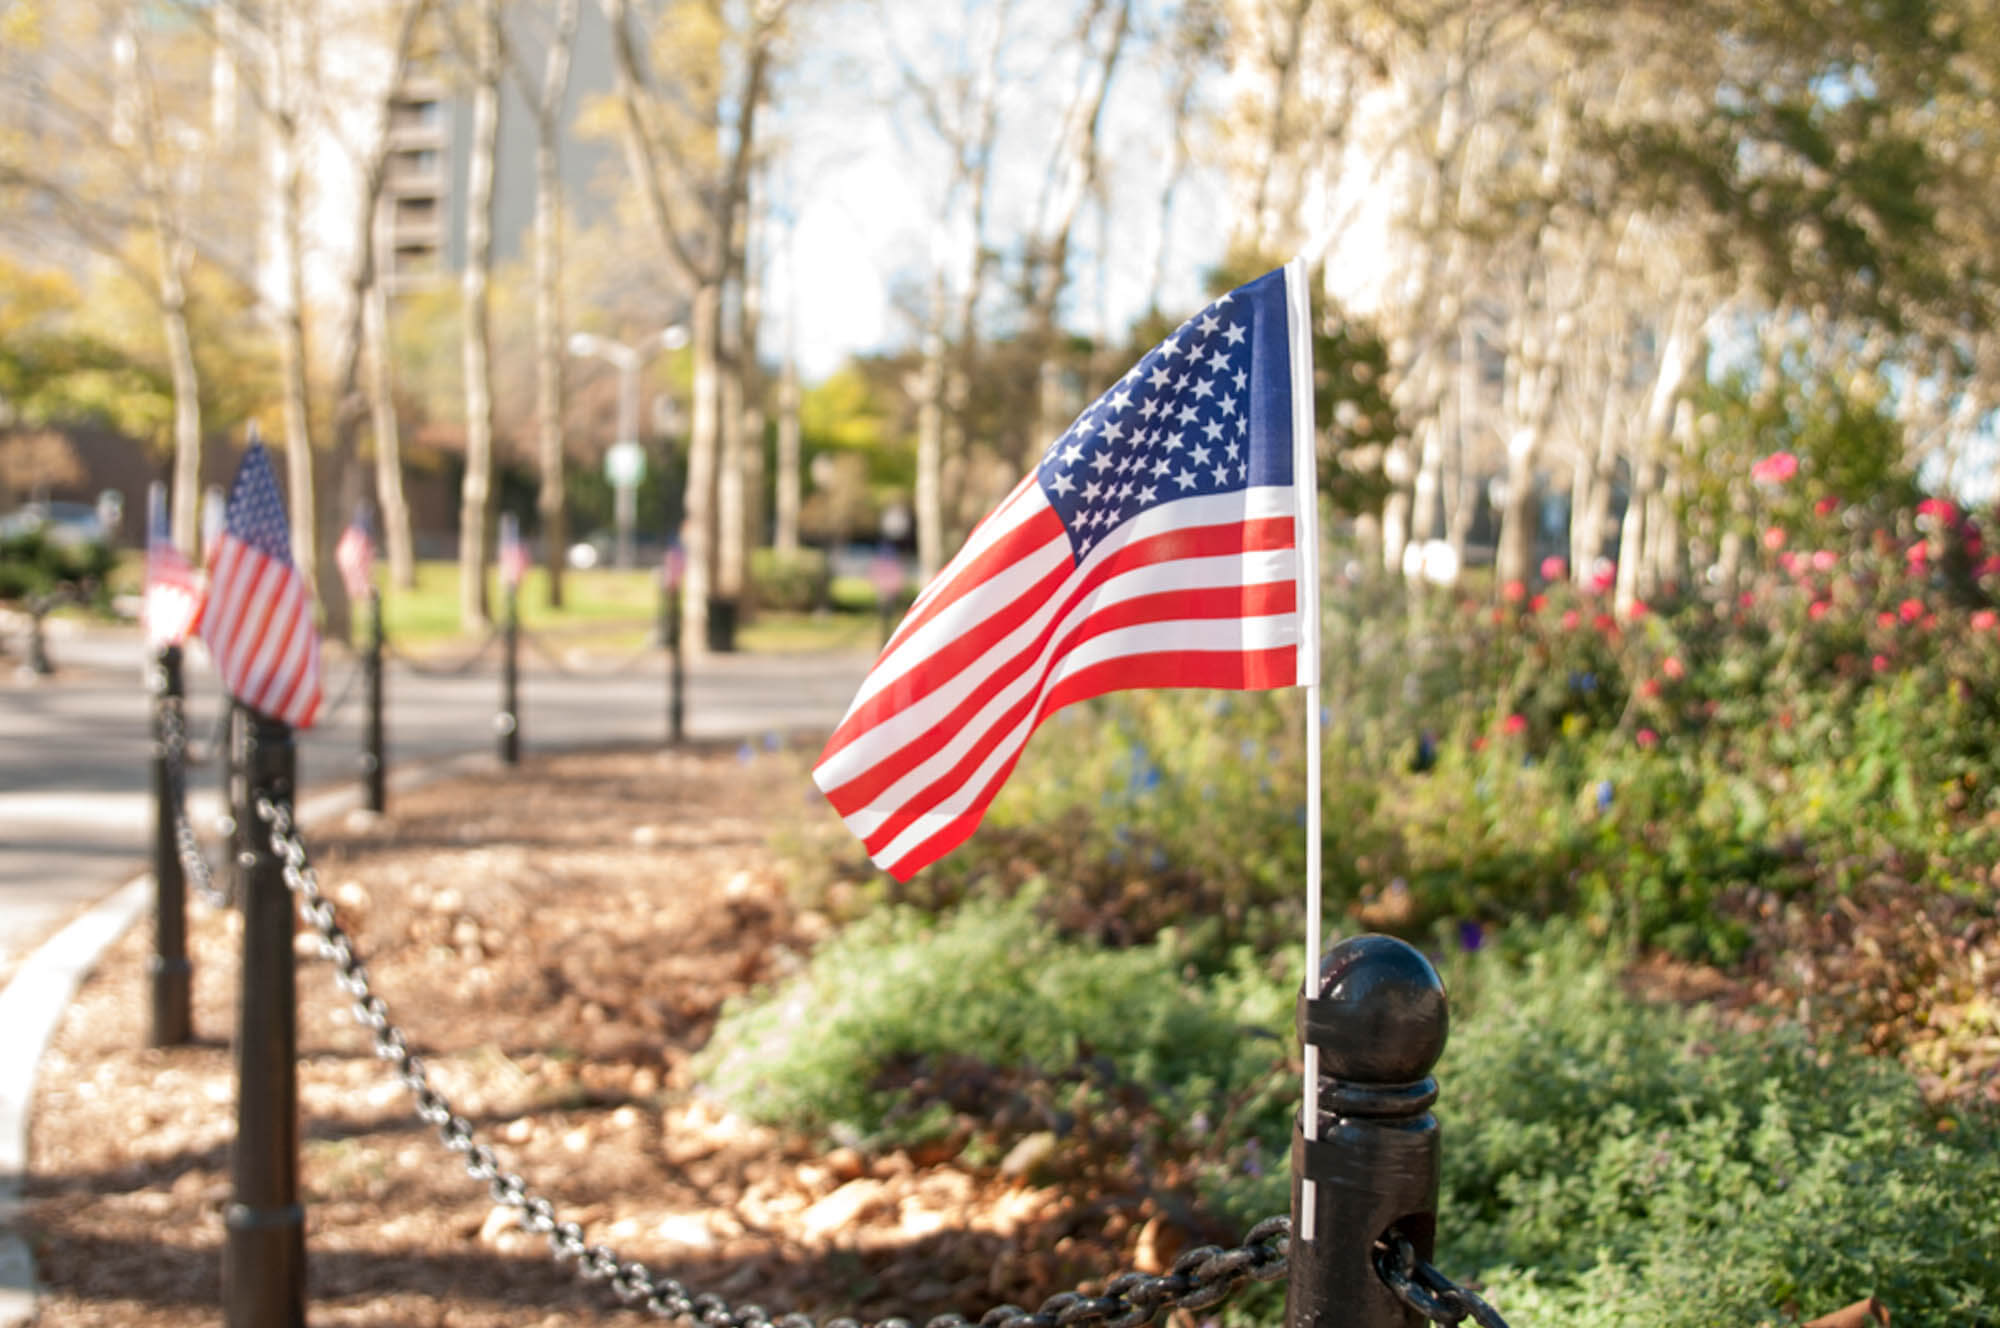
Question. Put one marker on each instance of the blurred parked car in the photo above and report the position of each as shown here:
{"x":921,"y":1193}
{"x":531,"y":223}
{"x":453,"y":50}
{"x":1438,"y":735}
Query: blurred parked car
{"x":68,"y":525}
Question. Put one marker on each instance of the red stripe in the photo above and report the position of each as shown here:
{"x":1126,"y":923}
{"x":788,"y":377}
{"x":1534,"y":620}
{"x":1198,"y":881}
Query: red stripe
{"x":939,"y":669}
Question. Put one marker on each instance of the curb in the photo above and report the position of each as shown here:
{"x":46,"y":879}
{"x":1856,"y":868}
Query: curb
{"x":38,"y":996}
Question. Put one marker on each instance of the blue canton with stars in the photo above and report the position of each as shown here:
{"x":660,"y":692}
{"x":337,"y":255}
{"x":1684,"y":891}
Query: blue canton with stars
{"x":255,"y":513}
{"x":1207,"y":411}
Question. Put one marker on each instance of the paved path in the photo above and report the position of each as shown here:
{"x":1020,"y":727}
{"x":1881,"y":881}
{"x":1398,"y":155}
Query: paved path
{"x":76,"y":803}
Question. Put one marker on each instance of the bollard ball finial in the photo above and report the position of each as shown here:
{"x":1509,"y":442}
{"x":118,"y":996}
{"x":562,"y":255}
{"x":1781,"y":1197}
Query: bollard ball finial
{"x":1381,"y":1016}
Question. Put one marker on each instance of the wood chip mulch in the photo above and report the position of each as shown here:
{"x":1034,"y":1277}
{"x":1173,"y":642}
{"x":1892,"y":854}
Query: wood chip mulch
{"x":557,"y":942}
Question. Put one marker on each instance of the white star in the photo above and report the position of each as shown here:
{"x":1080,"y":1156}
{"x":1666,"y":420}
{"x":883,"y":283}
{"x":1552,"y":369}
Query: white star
{"x":1113,"y":432}
{"x":1207,"y":324}
{"x":1222,"y":474}
{"x":1100,"y":461}
{"x":1234,"y":332}
{"x":1185,"y":479}
{"x":1120,"y":399}
{"x":1124,"y":492}
{"x":1219,"y":361}
{"x":1175,"y":442}
{"x":1090,"y":491}
{"x":1235,"y":451}
{"x":1170,"y":347}
{"x":1228,"y":405}
{"x":1204,"y":389}
{"x":1148,"y":408}
{"x":1200,"y":455}
{"x":1161,"y":467}
{"x":1241,"y":379}
{"x":1159,"y":376}
{"x":1189,"y":414}
{"x":1071,"y":453}
{"x":1062,"y":483}
{"x":1148,"y":494}
{"x":1214,"y":430}
{"x":1241,"y":472}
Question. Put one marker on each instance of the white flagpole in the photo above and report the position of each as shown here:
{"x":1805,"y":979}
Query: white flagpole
{"x":1305,"y":465}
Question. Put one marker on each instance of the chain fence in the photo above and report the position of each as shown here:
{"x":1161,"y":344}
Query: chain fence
{"x":423,"y":668}
{"x":565,"y":669}
{"x":1199,"y":1279}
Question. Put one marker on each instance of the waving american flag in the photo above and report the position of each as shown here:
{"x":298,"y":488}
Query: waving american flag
{"x":1166,"y":539}
{"x":173,"y":587}
{"x":258,"y":621}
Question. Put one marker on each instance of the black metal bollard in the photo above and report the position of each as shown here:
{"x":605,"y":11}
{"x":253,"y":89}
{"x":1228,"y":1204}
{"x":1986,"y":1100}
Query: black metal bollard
{"x":374,"y":762}
{"x":264,"y":1260}
{"x":670,"y":632}
{"x":507,"y":724}
{"x":173,"y":1020}
{"x":234,"y":721}
{"x":1380,"y":1022}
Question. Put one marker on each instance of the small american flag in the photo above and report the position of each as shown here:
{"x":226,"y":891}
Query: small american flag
{"x":355,"y":553}
{"x":513,"y":554}
{"x":173,"y":587}
{"x":258,"y":621}
{"x":1164,"y":540}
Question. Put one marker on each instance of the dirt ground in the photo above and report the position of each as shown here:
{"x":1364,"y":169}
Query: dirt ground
{"x":556,"y":943}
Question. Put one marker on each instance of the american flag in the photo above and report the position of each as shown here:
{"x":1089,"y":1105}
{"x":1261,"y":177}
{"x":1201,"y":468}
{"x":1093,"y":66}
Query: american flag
{"x":258,"y":621}
{"x":1164,"y":540}
{"x":173,"y":587}
{"x":513,"y":553}
{"x":355,"y":553}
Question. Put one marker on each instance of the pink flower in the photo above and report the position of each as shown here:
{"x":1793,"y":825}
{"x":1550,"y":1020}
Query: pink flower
{"x":1774,"y":537}
{"x":1650,"y":689}
{"x":1990,"y":566}
{"x":1744,"y":601}
{"x":1647,"y":739}
{"x":1941,"y":510}
{"x":1513,"y":592}
{"x":1885,"y":619}
{"x":1910,"y":610}
{"x":1555,"y":567}
{"x":1881,"y":663}
{"x":1790,"y":562}
{"x":1514,"y":725}
{"x":1818,"y":609}
{"x":1824,"y":560}
{"x":1918,"y":554}
{"x":1827,"y":506}
{"x":1570,"y":619}
{"x":1538,"y":603}
{"x":1604,"y":623}
{"x":1605,"y":577}
{"x":1672,"y":667}
{"x":1984,"y":620}
{"x":1639,"y":609}
{"x":1775,"y":468}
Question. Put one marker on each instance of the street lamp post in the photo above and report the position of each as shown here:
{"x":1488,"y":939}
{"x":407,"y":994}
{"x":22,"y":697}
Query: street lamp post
{"x":626,"y":463}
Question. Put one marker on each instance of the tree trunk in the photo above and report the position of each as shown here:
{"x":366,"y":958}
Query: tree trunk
{"x":698,"y":505}
{"x":549,"y":498}
{"x":930,"y":460}
{"x":187,"y":418}
{"x":395,"y":507}
{"x":476,"y":495}
{"x":785,"y":536}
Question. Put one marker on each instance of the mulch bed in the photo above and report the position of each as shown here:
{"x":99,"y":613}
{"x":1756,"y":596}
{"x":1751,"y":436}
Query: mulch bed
{"x":557,"y":943}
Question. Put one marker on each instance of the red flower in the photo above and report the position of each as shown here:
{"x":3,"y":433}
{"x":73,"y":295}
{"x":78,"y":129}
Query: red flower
{"x":1570,"y":619}
{"x":1824,"y":560}
{"x":1672,"y":667}
{"x":1603,"y":622}
{"x":1513,"y":592}
{"x":1885,"y":619}
{"x":1881,"y":663}
{"x":1775,"y":468}
{"x":1918,"y":554}
{"x":1650,"y":689}
{"x":1605,"y":577}
{"x":1984,"y":620}
{"x":1514,"y":725}
{"x":1647,"y":739}
{"x":1818,"y":609}
{"x":1774,"y":537}
{"x":1538,"y":603}
{"x":1910,"y":610}
{"x":1638,"y":610}
{"x":1555,"y":567}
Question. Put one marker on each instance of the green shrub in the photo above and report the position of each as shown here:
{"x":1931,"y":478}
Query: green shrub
{"x":31,"y":564}
{"x":794,"y":582}
{"x":1608,"y":1162}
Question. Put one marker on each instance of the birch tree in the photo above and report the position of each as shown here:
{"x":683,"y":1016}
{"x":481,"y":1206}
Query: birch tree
{"x":475,"y":503}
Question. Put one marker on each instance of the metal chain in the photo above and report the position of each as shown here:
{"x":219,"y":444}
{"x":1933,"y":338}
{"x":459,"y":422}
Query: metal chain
{"x":347,"y":693}
{"x":424,"y":669}
{"x":1425,"y":1289}
{"x":564,"y":669}
{"x":194,"y":863}
{"x":1200,"y":1278}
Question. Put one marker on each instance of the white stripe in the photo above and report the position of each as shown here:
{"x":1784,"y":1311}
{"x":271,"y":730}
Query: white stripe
{"x":290,"y":645}
{"x":234,"y":574}
{"x":250,"y":655}
{"x":1275,"y":567}
{"x":999,"y":523}
{"x":1305,"y":468}
{"x":1257,"y":634}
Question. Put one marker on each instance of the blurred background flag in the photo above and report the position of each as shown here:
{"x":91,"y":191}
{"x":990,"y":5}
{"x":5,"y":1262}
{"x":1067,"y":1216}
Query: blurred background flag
{"x":258,"y":619}
{"x":1164,"y":540}
{"x":355,"y":554}
{"x":513,"y":553}
{"x":173,"y":587}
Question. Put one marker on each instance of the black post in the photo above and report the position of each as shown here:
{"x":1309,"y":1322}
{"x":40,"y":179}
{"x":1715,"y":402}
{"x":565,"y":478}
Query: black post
{"x":508,"y":722}
{"x":1379,"y":1021}
{"x":173,"y":1021}
{"x":264,"y":1260}
{"x":670,"y":632}
{"x":374,"y":764}
{"x":234,"y":792}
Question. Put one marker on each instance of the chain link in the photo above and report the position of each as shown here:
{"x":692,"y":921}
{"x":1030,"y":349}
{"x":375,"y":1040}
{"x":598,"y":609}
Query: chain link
{"x":1199,"y":1279}
{"x":1425,"y":1289}
{"x":174,"y":743}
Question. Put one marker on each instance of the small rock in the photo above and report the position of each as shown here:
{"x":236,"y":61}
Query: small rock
{"x":497,"y":1221}
{"x":1029,"y":1155}
{"x":645,"y":836}
{"x":846,"y":1163}
{"x":845,"y":1207}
